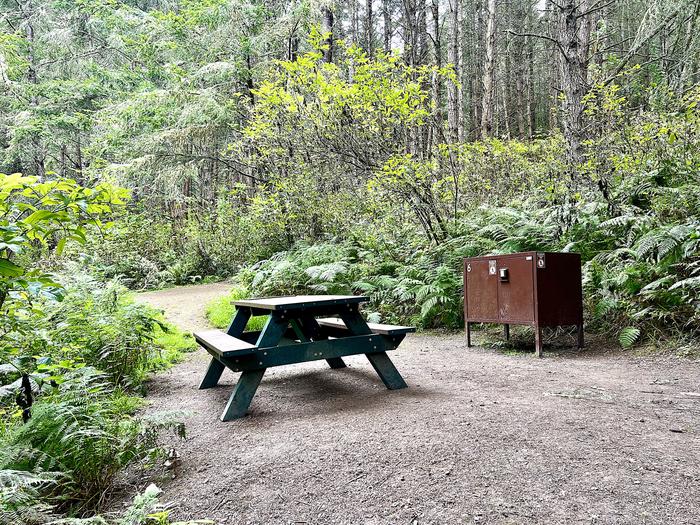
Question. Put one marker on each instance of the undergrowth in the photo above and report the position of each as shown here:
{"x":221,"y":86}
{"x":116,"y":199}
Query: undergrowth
{"x":641,"y":266}
{"x":86,"y":363}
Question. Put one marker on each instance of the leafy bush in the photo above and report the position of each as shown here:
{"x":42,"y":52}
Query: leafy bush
{"x":97,"y":324}
{"x":82,"y":431}
{"x":639,"y":273}
{"x":76,"y":348}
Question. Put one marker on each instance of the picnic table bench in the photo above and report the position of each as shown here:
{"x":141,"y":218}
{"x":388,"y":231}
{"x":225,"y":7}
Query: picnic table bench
{"x":297,"y":330}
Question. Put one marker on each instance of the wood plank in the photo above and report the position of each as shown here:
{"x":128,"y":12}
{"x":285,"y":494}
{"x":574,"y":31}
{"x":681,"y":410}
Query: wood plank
{"x":383,"y":329}
{"x":222,"y":343}
{"x":268,"y":357}
{"x":300,"y":301}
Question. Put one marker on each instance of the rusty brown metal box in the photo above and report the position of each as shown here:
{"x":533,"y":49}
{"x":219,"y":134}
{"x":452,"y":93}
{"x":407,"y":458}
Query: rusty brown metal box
{"x":529,"y":288}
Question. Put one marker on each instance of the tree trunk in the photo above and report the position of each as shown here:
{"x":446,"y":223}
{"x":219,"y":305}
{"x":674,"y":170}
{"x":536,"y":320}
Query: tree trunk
{"x":354,"y":28}
{"x":477,"y":70}
{"x":38,"y":157}
{"x":79,"y":160}
{"x":388,"y":28}
{"x":453,"y":108}
{"x":328,"y":27}
{"x":437,"y":87}
{"x":293,"y":46}
{"x":530,"y":111}
{"x":369,"y":28}
{"x":422,"y":32}
{"x":574,"y":31}
{"x":489,"y":70}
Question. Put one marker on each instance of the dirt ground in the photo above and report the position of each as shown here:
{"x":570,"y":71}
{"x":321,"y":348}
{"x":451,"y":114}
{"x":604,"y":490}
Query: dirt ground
{"x":478,"y":437}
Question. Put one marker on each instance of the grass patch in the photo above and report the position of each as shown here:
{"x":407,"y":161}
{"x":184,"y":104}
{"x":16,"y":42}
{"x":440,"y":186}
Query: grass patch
{"x":172,"y":343}
{"x":220,"y":311}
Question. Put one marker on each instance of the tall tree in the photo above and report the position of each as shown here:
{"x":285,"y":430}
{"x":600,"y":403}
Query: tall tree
{"x":437,"y":61}
{"x":453,"y":106}
{"x":369,"y":28}
{"x":387,"y":13}
{"x":488,"y":97}
{"x":328,"y":29}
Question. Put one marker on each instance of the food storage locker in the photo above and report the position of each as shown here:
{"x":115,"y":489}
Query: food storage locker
{"x":530,"y":288}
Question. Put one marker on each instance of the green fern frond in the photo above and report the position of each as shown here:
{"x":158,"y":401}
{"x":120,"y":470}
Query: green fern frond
{"x":690,"y":282}
{"x":427,"y":306}
{"x":629,"y":336}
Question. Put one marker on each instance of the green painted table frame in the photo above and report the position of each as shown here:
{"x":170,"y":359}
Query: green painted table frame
{"x":293,"y":336}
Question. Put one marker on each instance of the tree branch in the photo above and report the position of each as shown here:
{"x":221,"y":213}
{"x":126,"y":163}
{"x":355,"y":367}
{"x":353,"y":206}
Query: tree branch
{"x":544,"y":37}
{"x":639,"y":44}
{"x":595,"y":8}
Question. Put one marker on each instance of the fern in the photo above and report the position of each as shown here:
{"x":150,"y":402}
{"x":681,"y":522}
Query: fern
{"x":629,"y":336}
{"x":690,"y":282}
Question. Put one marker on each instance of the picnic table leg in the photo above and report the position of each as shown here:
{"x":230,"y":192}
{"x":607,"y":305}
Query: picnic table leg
{"x":239,"y":322}
{"x":211,"y":378}
{"x":379,"y":360}
{"x":248,"y":383}
{"x":273,"y":331}
{"x":242,"y":395}
{"x":386,"y":371}
{"x":312,"y":330}
{"x":355,"y":322}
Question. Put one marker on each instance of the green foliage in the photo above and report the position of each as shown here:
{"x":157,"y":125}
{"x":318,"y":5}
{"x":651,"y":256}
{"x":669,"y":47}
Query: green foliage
{"x":220,"y":311}
{"x":47,"y":214}
{"x":628,"y":336}
{"x":171,"y":344}
{"x":84,"y":346}
{"x":147,"y":510}
{"x":82,"y":430}
{"x":301,"y":175}
{"x":97,"y":324}
{"x":80,"y":434}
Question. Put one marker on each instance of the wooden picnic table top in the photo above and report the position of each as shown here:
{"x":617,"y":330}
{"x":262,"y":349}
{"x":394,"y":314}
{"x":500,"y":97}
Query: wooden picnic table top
{"x":300,"y":301}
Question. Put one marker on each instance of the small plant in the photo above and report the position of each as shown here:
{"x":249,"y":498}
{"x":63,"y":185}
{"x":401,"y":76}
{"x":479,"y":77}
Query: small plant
{"x":629,"y":336}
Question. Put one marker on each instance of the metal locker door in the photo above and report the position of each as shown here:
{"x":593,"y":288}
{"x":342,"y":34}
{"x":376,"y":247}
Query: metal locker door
{"x":481,"y":290}
{"x":516,"y":290}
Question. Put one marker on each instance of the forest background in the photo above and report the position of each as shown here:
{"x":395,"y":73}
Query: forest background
{"x":330,"y":147}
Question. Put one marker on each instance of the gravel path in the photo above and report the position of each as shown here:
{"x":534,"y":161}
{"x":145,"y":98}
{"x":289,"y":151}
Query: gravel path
{"x":478,"y":437}
{"x":184,"y":305}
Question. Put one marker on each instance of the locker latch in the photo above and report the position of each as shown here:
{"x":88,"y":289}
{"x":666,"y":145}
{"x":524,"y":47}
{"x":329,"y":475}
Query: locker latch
{"x":492,"y":267}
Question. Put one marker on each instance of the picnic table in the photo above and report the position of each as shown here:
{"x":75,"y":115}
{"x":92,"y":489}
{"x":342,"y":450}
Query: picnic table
{"x":297,"y":330}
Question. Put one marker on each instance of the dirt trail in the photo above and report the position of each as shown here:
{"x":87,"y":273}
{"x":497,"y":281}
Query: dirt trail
{"x":478,"y":437}
{"x":184,"y":306}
